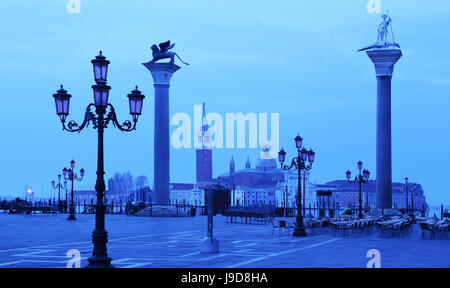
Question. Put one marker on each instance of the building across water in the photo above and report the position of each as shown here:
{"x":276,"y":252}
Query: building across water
{"x":254,"y":186}
{"x":346,"y":194}
{"x":266,"y":184}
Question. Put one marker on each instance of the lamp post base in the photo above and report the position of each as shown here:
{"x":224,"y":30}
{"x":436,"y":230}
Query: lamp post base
{"x":72,"y":212}
{"x":299,"y":229}
{"x":99,"y":262}
{"x":100,"y":258}
{"x":299,"y":232}
{"x":210,"y":247}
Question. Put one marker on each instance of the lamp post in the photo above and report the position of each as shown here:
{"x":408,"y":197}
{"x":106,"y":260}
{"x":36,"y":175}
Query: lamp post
{"x":407,"y":189}
{"x":233,"y":185}
{"x":65,"y":205}
{"x":300,"y":163}
{"x":70,"y":175}
{"x":104,"y":114}
{"x":286,"y":201}
{"x":59,"y":186}
{"x":234,"y":196}
{"x":304,"y":193}
{"x":361,"y":178}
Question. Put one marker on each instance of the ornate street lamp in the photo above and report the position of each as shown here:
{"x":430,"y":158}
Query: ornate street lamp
{"x":300,"y":163}
{"x":59,"y":186}
{"x":100,"y":65}
{"x":103,"y":116}
{"x":407,"y":189}
{"x":70,"y":175}
{"x":361,"y":178}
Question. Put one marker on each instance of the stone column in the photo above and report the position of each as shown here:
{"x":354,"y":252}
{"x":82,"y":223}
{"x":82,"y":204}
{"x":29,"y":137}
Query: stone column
{"x":162,"y":73}
{"x":384,"y":61}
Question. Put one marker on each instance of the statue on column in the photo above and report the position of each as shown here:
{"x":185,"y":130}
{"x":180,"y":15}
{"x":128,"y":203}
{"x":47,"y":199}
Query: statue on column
{"x":383,"y":32}
{"x":162,"y":52}
{"x":383,"y":38}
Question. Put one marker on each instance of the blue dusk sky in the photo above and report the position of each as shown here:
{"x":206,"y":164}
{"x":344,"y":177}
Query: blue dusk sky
{"x":295,"y":58}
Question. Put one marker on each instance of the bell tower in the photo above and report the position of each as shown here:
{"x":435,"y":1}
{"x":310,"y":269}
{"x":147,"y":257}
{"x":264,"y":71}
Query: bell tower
{"x":232,"y":166}
{"x":204,"y":154}
{"x":248,"y":165}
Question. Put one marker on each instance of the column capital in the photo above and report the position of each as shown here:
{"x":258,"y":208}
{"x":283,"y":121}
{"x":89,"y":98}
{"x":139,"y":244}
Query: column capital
{"x":161,"y":72}
{"x":384,"y":60}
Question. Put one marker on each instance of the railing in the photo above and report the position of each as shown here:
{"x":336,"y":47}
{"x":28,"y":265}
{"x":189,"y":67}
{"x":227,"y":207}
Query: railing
{"x":175,"y":210}
{"x":311,"y":212}
{"x":19,"y":206}
{"x":113,"y":208}
{"x":251,"y":214}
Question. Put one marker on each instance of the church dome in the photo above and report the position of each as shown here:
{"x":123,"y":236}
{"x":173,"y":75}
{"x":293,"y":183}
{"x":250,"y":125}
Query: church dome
{"x":266,"y":162}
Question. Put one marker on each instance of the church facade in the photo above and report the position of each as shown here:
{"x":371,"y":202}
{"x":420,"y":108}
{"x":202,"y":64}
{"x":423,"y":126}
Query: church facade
{"x":254,"y":186}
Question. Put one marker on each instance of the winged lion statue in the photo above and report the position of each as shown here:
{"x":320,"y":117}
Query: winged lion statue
{"x":162,"y":52}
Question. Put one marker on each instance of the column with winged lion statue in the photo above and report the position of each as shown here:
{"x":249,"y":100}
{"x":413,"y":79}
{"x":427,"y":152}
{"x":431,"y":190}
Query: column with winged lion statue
{"x":162,"y":73}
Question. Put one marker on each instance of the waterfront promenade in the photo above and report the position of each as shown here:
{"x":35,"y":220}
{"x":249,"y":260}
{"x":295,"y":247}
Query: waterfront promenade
{"x":43,"y":241}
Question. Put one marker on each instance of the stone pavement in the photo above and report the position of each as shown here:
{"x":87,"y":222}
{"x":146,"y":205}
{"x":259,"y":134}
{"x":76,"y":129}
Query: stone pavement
{"x":43,"y":241}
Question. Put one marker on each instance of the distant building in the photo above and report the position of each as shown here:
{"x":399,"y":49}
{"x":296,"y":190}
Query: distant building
{"x":254,"y":186}
{"x":204,"y":165}
{"x":264,"y":190}
{"x":90,"y":196}
{"x":184,"y":193}
{"x":204,"y":152}
{"x":247,"y":196}
{"x":266,"y":184}
{"x":190,"y":193}
{"x":346,"y":194}
{"x":287,"y":191}
{"x":144,"y":194}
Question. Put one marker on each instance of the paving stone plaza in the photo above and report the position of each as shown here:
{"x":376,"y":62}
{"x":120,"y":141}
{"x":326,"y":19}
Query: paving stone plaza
{"x":43,"y":241}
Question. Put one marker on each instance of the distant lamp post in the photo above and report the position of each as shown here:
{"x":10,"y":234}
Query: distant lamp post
{"x":67,"y":201}
{"x":70,"y":175}
{"x":234,"y":196}
{"x":285,"y":199}
{"x":361,"y":178}
{"x":407,"y":189}
{"x":59,"y":186}
{"x":300,"y":163}
{"x":100,"y":120}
